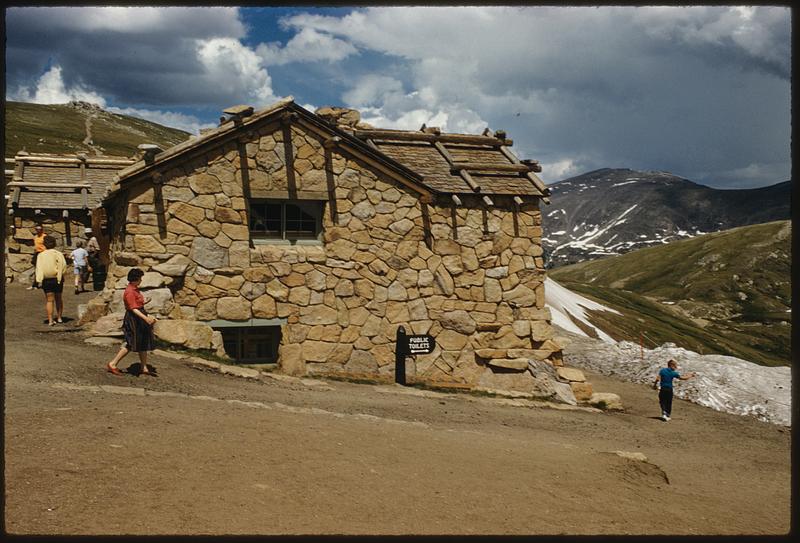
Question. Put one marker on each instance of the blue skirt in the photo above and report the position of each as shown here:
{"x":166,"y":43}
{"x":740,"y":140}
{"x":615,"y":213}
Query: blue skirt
{"x":138,"y":334}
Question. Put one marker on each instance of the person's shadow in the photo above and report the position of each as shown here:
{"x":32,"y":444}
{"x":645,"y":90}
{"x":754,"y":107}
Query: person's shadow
{"x":64,"y":320}
{"x":136,"y":369}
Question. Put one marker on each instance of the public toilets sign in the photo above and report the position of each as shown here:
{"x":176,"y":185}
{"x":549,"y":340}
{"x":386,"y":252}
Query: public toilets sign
{"x":420,"y":344}
{"x":407,"y":345}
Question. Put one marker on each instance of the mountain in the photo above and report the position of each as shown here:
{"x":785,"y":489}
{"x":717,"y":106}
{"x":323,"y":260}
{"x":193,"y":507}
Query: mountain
{"x":613,"y":211}
{"x":726,"y":293}
{"x":80,"y":127}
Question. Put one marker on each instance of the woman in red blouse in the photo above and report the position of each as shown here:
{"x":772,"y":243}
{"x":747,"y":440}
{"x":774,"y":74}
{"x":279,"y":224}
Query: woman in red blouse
{"x":137,"y":325}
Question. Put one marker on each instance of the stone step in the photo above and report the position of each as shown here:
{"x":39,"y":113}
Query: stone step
{"x":571,"y":374}
{"x":518,"y":364}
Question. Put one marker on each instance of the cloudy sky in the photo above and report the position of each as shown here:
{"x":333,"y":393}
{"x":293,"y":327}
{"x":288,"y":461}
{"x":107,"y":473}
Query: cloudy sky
{"x":701,"y":92}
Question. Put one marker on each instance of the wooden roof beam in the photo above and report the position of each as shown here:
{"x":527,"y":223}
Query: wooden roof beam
{"x":469,"y":180}
{"x":400,"y":135}
{"x":76,"y":161}
{"x":24,"y":185}
{"x":150,"y":151}
{"x":444,"y":152}
{"x":487,"y":166}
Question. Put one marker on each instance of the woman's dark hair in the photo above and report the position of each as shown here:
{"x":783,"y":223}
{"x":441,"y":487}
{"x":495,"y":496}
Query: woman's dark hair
{"x":49,"y":242}
{"x":134,"y":274}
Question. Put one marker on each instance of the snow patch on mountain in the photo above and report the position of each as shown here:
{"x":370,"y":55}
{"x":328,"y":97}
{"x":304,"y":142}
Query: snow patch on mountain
{"x":565,"y":306}
{"x":723,"y":383}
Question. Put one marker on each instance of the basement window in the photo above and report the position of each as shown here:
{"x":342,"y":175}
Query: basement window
{"x":249,"y":344}
{"x":286,"y":220}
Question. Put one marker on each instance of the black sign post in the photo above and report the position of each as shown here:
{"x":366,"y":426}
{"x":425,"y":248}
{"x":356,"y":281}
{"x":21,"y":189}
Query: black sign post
{"x":409,"y":345}
{"x":400,"y":356}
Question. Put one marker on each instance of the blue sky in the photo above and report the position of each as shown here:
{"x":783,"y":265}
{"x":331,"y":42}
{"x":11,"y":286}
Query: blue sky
{"x":702,"y":92}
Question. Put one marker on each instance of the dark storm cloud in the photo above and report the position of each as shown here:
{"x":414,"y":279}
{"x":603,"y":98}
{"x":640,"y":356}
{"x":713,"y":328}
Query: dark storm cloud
{"x":702,"y":92}
{"x":141,"y":56}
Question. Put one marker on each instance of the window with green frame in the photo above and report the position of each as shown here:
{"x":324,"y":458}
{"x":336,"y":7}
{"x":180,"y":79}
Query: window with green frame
{"x":286,"y":219}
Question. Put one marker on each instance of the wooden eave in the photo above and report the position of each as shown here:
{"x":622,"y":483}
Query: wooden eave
{"x":141,"y":170}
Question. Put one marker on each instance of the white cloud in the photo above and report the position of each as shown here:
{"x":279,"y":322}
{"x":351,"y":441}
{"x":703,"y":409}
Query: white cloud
{"x":561,"y":169}
{"x":50,"y":89}
{"x":761,"y":34}
{"x":683,"y":89}
{"x":233,"y":69}
{"x":371,"y":90}
{"x":188,"y":123}
{"x":308,"y":45}
{"x":641,"y":87}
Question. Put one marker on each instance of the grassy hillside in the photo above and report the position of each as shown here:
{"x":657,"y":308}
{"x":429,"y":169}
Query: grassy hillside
{"x":723,"y":293}
{"x":42,"y":128}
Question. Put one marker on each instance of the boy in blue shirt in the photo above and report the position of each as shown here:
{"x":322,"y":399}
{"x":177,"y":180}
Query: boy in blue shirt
{"x":664,"y":384}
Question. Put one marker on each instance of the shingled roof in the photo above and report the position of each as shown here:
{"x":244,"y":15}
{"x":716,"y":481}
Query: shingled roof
{"x":69,"y":181}
{"x":459,"y":163}
{"x":430,"y":160}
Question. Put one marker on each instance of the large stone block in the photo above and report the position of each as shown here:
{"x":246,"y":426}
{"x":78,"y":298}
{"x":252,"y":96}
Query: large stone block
{"x":458,"y":320}
{"x":151,"y":280}
{"x":317,"y":351}
{"x":541,"y":331}
{"x":521,"y":296}
{"x":233,"y":308}
{"x":264,"y":307}
{"x":583,"y":391}
{"x":108,"y":325}
{"x":148,"y":244}
{"x":159,"y":301}
{"x":571,"y":374}
{"x":450,"y":340}
{"x":187,"y":213}
{"x":190,"y":334}
{"x":505,"y":380}
{"x":444,"y":282}
{"x":208,"y":254}
{"x":290,"y":360}
{"x":319,"y":314}
{"x":516,"y":364}
{"x":227,"y":215}
{"x":92,"y":310}
{"x":607,"y":401}
{"x":205,"y":184}
{"x":564,"y":393}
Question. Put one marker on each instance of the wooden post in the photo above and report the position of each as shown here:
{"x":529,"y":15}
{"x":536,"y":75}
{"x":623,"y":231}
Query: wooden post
{"x":288,"y":154}
{"x":68,"y":230}
{"x":331,"y":182}
{"x":244,"y":171}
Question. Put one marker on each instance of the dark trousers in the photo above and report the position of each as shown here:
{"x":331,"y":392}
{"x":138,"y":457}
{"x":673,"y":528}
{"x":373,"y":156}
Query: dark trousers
{"x":665,"y":399}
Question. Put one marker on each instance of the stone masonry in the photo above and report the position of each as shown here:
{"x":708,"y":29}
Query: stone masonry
{"x":471,"y":276}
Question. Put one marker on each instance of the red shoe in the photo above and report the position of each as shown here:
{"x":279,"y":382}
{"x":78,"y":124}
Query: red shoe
{"x":112,"y":369}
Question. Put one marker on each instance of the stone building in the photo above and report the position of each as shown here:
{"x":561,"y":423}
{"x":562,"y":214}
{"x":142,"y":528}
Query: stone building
{"x":60,"y":192}
{"x":306,"y":239}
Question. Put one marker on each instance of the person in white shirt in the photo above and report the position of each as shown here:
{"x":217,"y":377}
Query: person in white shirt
{"x":50,"y":268}
{"x":80,"y":261}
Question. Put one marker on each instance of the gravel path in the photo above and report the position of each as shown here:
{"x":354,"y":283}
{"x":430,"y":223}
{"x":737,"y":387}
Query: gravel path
{"x":197,"y":452}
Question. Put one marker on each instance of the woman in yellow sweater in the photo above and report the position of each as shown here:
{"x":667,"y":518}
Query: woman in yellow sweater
{"x":50,"y":268}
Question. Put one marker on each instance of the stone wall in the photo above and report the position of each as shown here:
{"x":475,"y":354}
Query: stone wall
{"x":19,"y":239}
{"x":470,"y":276}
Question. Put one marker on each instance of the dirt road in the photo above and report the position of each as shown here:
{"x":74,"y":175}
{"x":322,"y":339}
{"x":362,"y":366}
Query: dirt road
{"x":196,"y":452}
